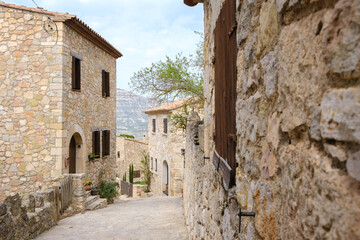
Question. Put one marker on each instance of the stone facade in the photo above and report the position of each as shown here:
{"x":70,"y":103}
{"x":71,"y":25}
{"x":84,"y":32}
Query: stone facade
{"x":166,"y":161}
{"x":40,"y":112}
{"x":297,"y":122}
{"x":129,"y":151}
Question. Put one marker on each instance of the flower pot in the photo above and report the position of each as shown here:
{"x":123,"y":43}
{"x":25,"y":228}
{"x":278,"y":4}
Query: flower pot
{"x":94,"y":192}
{"x":87,"y":187}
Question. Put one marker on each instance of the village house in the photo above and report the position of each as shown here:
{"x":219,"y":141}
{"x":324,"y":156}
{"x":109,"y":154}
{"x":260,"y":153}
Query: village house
{"x":129,"y":151}
{"x":166,"y":149}
{"x":57,"y":99}
{"x":277,"y":156}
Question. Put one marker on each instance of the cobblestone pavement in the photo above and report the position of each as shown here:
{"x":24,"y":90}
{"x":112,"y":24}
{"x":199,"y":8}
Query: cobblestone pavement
{"x":155,"y":218}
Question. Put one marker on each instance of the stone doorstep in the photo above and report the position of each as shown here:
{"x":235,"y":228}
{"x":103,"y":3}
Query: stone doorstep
{"x":87,"y":194}
{"x":100,"y":203}
{"x":91,"y":199}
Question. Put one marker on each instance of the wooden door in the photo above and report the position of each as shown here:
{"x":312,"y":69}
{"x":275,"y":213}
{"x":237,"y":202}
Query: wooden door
{"x":72,"y":155}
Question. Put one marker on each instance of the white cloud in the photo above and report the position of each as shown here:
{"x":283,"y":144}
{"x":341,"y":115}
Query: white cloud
{"x":143,"y":30}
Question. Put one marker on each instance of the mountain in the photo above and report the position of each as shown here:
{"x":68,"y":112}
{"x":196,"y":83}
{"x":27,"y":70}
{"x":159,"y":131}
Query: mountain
{"x":130,"y":118}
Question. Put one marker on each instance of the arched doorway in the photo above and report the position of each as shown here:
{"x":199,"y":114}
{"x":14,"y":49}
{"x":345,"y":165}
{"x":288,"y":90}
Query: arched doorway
{"x":72,"y":155}
{"x":75,"y":154}
{"x":165,"y":177}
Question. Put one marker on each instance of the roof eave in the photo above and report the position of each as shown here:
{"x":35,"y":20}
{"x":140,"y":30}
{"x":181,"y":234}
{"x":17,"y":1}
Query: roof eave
{"x":78,"y":26}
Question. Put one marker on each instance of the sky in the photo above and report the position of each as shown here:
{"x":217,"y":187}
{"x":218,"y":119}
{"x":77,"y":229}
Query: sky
{"x":144,"y":31}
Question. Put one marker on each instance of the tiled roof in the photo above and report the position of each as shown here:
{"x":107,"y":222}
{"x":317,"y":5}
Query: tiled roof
{"x":167,"y":106}
{"x":73,"y":22}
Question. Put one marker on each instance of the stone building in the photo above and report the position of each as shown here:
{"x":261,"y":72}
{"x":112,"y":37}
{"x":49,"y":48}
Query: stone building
{"x":57,"y":99}
{"x":281,"y":131}
{"x":166,"y":145}
{"x":129,"y":151}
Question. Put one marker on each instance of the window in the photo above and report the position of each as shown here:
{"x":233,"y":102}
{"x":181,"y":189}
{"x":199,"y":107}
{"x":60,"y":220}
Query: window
{"x":225,"y":93}
{"x":76,"y":74}
{"x":118,"y":153}
{"x":152,"y":163}
{"x":96,"y":143}
{"x":165,"y":125}
{"x":154,"y":125}
{"x":105,"y":143}
{"x":155,"y":164}
{"x":105,"y":84}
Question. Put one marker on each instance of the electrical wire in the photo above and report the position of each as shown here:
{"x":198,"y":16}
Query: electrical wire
{"x":50,"y":21}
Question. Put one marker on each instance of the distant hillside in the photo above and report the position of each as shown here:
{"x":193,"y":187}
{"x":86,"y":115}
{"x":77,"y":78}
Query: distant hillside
{"x":130,"y":118}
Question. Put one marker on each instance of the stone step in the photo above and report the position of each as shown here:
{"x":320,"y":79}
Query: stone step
{"x":100,"y":203}
{"x":91,"y":199}
{"x":87,"y":193}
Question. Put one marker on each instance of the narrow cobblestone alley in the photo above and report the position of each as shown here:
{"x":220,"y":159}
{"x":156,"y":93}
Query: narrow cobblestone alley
{"x":148,"y":218}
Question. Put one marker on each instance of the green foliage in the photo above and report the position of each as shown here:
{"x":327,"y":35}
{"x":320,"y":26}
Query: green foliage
{"x":140,"y":182}
{"x":126,"y":136}
{"x":108,"y":190}
{"x":124,"y":177}
{"x":131,"y":173}
{"x":179,"y":120}
{"x":172,"y":78}
{"x":145,"y":168}
{"x":88,"y":182}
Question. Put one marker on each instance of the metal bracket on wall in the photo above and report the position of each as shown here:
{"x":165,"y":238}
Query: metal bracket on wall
{"x":244,"y":214}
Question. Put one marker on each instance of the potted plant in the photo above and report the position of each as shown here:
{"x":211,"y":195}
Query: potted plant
{"x":94,"y":191}
{"x":88,"y":185}
{"x":92,"y":157}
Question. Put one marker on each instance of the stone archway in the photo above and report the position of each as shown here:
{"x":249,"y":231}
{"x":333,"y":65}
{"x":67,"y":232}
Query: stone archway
{"x":75,"y":150}
{"x":165,"y":178}
{"x":75,"y":154}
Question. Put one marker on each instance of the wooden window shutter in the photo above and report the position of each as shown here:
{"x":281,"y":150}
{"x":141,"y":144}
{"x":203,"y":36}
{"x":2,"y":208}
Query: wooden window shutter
{"x":107,"y":84}
{"x":165,"y":125}
{"x":154,"y":125}
{"x":76,"y":74}
{"x":96,"y":143}
{"x":106,"y":143}
{"x":103,"y":83}
{"x":73,"y":77}
{"x":225,"y":93}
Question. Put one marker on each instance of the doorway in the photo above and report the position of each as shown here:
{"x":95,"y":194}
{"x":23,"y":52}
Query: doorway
{"x":72,"y":155}
{"x":165,"y":173}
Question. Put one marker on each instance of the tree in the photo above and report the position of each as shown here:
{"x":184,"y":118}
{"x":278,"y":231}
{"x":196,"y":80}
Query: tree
{"x":173,"y":79}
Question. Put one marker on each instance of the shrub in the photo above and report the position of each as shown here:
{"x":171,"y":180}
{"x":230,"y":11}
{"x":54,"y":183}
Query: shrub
{"x":108,"y":190}
{"x":145,"y":169}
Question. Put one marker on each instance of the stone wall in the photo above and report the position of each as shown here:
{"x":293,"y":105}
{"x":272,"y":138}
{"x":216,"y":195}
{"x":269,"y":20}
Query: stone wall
{"x":27,"y":217}
{"x":39,"y":111}
{"x":30,"y":105}
{"x":87,"y":110}
{"x":297,"y":121}
{"x":166,"y":148}
{"x":130,"y":151}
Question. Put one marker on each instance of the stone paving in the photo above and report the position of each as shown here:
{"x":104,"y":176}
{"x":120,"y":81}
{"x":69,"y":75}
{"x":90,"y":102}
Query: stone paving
{"x":154,"y":218}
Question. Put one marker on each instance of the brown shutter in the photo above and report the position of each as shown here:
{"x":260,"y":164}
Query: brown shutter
{"x":73,"y":75}
{"x":107,"y":84}
{"x":78,"y":74}
{"x":106,"y":143}
{"x":225,"y":91}
{"x":103,"y":83}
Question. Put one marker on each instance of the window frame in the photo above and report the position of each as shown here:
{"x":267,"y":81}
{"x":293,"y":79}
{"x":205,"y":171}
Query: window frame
{"x":105,"y":76}
{"x":153,"y":125}
{"x":96,"y":143}
{"x":165,"y":121}
{"x":76,"y":73}
{"x":105,"y":142}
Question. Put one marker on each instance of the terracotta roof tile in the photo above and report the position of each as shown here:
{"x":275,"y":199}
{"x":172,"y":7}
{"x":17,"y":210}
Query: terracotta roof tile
{"x":167,"y":106}
{"x":72,"y":21}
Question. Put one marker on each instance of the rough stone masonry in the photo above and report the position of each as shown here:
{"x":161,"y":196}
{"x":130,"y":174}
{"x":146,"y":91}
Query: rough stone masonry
{"x":297,"y":122}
